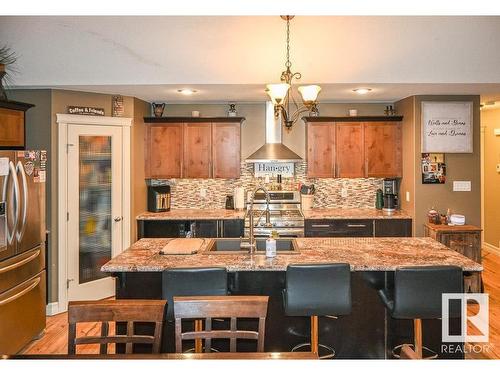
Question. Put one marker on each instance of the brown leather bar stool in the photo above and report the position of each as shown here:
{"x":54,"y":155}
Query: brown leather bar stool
{"x":317,"y":290}
{"x":188,"y":282}
{"x":417,"y":295}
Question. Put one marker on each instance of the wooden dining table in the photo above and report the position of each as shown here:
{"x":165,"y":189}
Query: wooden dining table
{"x":175,"y":356}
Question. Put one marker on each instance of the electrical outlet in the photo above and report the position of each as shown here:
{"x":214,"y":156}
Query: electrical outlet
{"x":407,"y":196}
{"x":462,"y":186}
{"x":203,"y":192}
{"x":343,"y":192}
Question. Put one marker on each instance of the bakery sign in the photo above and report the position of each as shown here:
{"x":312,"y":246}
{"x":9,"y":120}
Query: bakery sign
{"x":90,"y":111}
{"x":447,"y":127}
{"x":272,"y":169}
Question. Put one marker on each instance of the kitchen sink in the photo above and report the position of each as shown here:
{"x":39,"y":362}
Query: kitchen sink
{"x":233,"y":245}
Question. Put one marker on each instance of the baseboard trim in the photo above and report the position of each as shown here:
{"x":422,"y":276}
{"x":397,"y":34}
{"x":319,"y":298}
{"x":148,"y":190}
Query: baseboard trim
{"x":491,"y":248}
{"x":52,"y":309}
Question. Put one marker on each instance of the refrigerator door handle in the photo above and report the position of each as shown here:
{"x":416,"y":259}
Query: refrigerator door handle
{"x":12,"y":169}
{"x":20,"y":232}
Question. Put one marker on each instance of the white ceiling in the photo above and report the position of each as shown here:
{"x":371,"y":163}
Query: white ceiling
{"x":231,"y":58}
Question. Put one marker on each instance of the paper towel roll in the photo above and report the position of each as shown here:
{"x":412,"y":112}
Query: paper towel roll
{"x":239,"y":198}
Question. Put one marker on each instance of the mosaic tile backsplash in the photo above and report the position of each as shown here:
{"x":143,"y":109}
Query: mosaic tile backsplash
{"x":360,"y":191}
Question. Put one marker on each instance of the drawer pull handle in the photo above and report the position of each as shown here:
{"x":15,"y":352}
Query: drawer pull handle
{"x":20,"y":263}
{"x":320,"y":225}
{"x":29,"y":288}
{"x":356,"y":225}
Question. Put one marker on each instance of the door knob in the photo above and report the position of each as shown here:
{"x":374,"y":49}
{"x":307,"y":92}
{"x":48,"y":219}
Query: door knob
{"x":118,"y":218}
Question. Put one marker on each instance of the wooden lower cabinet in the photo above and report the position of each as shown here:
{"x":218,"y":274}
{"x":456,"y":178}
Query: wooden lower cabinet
{"x":230,"y":228}
{"x":358,"y":228}
{"x":464,"y":239}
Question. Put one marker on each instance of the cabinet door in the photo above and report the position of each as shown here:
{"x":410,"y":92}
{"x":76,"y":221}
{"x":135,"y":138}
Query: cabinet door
{"x":164,"y":150}
{"x":320,"y":149}
{"x":349,"y":150}
{"x":11,"y":128}
{"x":197,"y":150}
{"x":393,"y":228}
{"x":383,"y":149}
{"x":226,"y":150}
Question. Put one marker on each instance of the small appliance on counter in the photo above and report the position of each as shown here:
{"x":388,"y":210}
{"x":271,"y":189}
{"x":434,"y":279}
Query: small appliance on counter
{"x":229,"y":202}
{"x":239,"y":198}
{"x":391,"y":201}
{"x":159,"y":198}
{"x":456,"y":219}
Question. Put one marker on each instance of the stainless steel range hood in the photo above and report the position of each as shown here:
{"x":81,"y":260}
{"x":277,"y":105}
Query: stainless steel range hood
{"x":273,"y":149}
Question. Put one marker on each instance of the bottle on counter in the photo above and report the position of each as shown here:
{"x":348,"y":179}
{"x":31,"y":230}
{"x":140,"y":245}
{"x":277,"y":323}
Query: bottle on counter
{"x":271,"y":245}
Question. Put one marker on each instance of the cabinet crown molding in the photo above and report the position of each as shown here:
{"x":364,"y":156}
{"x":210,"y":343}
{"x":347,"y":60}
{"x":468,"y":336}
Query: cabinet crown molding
{"x":351,"y":118}
{"x":154,"y":120}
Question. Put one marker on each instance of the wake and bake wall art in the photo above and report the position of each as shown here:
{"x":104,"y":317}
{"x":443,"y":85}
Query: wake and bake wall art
{"x":447,"y":127}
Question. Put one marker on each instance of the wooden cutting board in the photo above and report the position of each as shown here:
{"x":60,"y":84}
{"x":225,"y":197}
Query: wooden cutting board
{"x":182,"y":246}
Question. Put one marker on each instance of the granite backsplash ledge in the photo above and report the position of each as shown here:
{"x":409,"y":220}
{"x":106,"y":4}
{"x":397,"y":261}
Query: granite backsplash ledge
{"x":360,"y":191}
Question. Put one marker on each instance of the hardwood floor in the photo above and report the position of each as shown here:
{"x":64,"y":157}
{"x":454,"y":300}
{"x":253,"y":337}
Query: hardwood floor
{"x":491,"y":280}
{"x":54,"y":341}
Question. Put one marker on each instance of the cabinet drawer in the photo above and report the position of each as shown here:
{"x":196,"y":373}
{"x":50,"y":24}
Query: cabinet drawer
{"x":21,"y":267}
{"x":393,"y":228}
{"x":339,"y":228}
{"x":22,"y":307}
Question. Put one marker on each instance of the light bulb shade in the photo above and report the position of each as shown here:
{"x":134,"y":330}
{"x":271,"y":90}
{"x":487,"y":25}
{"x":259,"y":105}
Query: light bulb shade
{"x":277,"y":92}
{"x":309,"y":93}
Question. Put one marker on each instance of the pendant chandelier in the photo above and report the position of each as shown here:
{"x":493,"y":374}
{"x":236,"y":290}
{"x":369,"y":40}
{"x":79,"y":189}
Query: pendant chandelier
{"x":282,"y":96}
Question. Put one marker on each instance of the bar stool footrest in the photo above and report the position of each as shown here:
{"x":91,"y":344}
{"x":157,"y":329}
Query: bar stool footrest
{"x":328,"y":349}
{"x":431,"y":354}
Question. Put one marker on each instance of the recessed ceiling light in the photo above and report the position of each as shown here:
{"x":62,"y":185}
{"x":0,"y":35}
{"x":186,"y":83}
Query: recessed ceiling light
{"x":362,"y":91}
{"x":187,"y":91}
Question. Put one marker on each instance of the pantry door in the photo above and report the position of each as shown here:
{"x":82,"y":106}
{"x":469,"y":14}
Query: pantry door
{"x":94,"y":201}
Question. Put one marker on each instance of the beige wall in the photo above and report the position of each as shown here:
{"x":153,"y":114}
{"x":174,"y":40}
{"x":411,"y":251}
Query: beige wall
{"x":138,"y":190}
{"x":459,"y":167}
{"x":406,"y":108}
{"x":490,"y":120}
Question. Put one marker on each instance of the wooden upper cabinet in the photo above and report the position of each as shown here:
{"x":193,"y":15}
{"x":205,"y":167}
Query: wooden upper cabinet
{"x":320,"y":143}
{"x":383,"y":149}
{"x":164,"y":148}
{"x":226,"y":150}
{"x":350,"y":158}
{"x":13,"y":124}
{"x":197,"y":150}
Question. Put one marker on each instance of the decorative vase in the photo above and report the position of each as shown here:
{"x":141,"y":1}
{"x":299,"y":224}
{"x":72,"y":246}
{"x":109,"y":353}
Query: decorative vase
{"x":158,"y":109}
{"x":232,"y":110}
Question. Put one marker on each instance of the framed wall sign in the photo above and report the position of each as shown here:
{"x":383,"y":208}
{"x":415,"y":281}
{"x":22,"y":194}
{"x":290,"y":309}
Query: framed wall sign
{"x":272,"y":169}
{"x":447,"y":127}
{"x":90,"y":111}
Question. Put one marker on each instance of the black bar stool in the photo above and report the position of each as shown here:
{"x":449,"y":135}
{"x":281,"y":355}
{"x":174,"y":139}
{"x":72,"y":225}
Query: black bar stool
{"x":186,"y":282}
{"x":417,"y":295}
{"x":317,"y":290}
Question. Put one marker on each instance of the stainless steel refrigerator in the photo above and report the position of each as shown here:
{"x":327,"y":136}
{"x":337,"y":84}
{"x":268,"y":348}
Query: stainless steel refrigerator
{"x":22,"y":248}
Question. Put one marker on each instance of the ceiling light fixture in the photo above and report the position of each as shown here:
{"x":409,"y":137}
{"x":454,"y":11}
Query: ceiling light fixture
{"x":187,"y":91}
{"x":281,"y":94}
{"x":362,"y":91}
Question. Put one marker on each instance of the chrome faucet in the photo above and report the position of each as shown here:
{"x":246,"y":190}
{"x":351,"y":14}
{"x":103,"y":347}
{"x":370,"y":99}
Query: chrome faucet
{"x":251,"y":245}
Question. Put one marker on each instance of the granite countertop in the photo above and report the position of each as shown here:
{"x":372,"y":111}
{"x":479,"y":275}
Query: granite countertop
{"x":353,"y":213}
{"x":363,"y":254}
{"x":193,"y":214}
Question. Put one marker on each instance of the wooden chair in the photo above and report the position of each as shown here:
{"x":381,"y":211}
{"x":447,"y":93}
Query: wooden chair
{"x":216,"y":307}
{"x":129,"y":311}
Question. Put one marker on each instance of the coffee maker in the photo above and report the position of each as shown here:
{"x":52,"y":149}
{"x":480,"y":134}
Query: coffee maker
{"x":391,"y":201}
{"x":158,"y":198}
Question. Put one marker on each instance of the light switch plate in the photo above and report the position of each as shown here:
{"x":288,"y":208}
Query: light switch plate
{"x":203,"y":192}
{"x":407,"y":196}
{"x":343,"y":192}
{"x":462,"y":186}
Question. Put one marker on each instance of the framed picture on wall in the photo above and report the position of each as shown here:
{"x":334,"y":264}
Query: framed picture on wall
{"x":447,"y":127}
{"x":433,"y":169}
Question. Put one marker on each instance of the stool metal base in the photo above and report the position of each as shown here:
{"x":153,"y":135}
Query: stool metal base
{"x":327,"y":348}
{"x":431,"y":353}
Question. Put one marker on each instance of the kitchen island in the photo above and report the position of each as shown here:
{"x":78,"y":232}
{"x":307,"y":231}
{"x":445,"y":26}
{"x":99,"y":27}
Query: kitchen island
{"x":368,"y":332}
